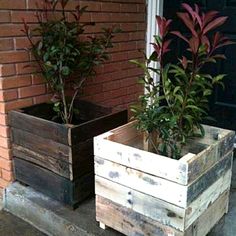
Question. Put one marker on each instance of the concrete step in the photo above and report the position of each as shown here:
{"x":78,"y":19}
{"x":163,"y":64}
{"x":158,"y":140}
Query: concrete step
{"x":50,"y":216}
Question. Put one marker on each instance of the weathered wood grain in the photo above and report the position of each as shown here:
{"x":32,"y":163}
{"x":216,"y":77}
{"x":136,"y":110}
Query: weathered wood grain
{"x":97,"y":126}
{"x":55,"y":186}
{"x":128,"y":221}
{"x":40,"y":127}
{"x":149,"y":206}
{"x":164,"y":189}
{"x":211,"y":155}
{"x":57,"y":166}
{"x":122,"y":145}
{"x":41,"y":145}
{"x":209,"y":177}
{"x":155,"y":186}
{"x":210,"y":217}
{"x":210,"y":195}
{"x":141,"y":160}
{"x":132,"y":223}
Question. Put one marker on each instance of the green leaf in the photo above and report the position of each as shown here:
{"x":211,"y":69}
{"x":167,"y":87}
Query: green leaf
{"x":65,"y":70}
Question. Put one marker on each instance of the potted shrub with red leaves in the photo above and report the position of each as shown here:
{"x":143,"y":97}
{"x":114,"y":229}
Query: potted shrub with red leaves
{"x":165,"y":173}
{"x":53,"y":143}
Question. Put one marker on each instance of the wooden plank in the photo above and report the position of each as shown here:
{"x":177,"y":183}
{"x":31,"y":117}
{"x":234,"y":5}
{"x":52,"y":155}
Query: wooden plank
{"x":210,"y":195}
{"x":211,"y":155}
{"x":129,"y":222}
{"x":41,"y":145}
{"x":140,"y":160}
{"x":149,"y":206}
{"x":57,"y":166}
{"x":54,"y":186}
{"x":124,"y":133}
{"x":98,"y":126}
{"x":209,"y":177}
{"x":157,"y":187}
{"x":161,"y":188}
{"x":38,"y":126}
{"x":210,"y":217}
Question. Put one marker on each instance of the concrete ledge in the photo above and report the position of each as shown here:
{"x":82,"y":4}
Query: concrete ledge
{"x":51,"y":217}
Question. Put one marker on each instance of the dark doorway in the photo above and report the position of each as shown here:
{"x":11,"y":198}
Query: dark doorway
{"x":223,"y":102}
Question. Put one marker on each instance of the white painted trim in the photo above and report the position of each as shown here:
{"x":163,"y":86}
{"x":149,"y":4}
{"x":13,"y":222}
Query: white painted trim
{"x":154,"y":7}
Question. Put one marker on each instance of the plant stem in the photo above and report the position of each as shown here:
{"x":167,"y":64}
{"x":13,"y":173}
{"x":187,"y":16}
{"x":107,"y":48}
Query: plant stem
{"x":63,"y":97}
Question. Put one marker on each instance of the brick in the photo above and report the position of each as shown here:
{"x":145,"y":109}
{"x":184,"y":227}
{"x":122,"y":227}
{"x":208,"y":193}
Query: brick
{"x":128,"y":27}
{"x":14,"y":56}
{"x":120,"y":56}
{"x":4,"y":131}
{"x":18,"y":16}
{"x":4,"y":142}
{"x":5,"y":153}
{"x":20,"y":103}
{"x":27,"y":68}
{"x":5,"y":164}
{"x":8,"y":30}
{"x":3,"y":184}
{"x":15,"y":82}
{"x":5,"y":16}
{"x":129,"y":8}
{"x":7,"y":175}
{"x":23,"y":42}
{"x":38,"y":79}
{"x":8,"y":95}
{"x":92,"y":5}
{"x":6,"y":44}
{"x":31,"y":4}
{"x":3,"y":119}
{"x":110,"y":7}
{"x":42,"y":99}
{"x":7,"y":70}
{"x":32,"y":91}
{"x":12,"y":4}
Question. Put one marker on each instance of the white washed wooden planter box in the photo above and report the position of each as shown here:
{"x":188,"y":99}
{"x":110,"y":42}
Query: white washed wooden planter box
{"x":142,"y":193}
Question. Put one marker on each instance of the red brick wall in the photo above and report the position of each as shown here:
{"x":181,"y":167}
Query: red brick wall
{"x":116,"y":82}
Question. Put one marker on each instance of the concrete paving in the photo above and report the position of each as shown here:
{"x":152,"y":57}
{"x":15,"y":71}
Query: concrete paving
{"x":11,"y":225}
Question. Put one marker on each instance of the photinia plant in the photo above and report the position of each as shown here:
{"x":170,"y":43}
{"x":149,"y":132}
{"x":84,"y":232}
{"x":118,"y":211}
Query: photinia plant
{"x":65,"y":58}
{"x":171,"y":110}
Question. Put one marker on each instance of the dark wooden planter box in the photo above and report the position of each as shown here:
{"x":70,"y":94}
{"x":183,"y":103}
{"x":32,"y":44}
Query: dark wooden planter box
{"x":57,"y":159}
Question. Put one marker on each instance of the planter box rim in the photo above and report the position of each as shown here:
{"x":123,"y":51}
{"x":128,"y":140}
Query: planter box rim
{"x":186,"y":158}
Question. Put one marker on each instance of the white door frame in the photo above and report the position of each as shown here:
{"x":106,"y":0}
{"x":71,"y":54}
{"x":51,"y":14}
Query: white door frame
{"x":154,"y":7}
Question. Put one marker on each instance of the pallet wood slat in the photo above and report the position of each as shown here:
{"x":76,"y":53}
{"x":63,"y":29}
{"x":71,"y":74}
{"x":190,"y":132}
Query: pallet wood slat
{"x":132,"y":223}
{"x":172,"y":197}
{"x":38,"y":126}
{"x":164,"y":189}
{"x":54,"y":186}
{"x":61,"y":151}
{"x":144,"y":204}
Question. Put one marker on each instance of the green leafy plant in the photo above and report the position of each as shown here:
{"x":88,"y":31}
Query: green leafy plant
{"x":171,"y":110}
{"x":65,"y":58}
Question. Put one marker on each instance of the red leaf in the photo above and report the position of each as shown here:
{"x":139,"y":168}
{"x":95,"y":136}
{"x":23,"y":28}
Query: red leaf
{"x":215,"y":23}
{"x":206,"y":18}
{"x":177,"y":33}
{"x":205,"y":41}
{"x":188,"y":9}
{"x":194,"y":44}
{"x":184,"y":62}
{"x":165,"y":47}
{"x":188,"y":22}
{"x":228,"y":42}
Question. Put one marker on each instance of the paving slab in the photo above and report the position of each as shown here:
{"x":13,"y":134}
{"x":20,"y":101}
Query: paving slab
{"x":11,"y":225}
{"x":50,"y":216}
